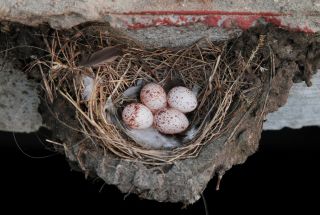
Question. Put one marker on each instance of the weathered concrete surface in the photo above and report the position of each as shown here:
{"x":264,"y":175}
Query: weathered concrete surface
{"x":142,"y":14}
{"x":301,"y":109}
{"x":18,"y":101}
{"x":163,"y":36}
{"x":140,"y":19}
{"x":60,"y":13}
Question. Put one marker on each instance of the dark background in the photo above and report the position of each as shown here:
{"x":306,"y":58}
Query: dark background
{"x":282,"y":175}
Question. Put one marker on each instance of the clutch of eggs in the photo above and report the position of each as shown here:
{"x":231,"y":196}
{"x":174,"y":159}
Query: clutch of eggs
{"x":154,"y":110}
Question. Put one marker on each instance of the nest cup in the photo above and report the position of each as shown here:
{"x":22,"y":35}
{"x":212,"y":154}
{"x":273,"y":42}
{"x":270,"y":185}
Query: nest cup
{"x":99,"y":92}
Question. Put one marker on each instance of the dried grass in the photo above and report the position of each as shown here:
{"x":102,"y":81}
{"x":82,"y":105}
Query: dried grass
{"x":214,"y":68}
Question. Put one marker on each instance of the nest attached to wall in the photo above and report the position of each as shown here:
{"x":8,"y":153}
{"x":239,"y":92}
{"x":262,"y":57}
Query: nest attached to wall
{"x":99,"y":91}
{"x":238,"y":83}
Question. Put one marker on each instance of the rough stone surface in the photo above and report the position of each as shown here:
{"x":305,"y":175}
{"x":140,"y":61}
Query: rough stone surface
{"x":156,"y":37}
{"x":301,"y":109}
{"x":181,"y":181}
{"x":18,"y":101}
{"x":60,"y":13}
{"x":143,"y":14}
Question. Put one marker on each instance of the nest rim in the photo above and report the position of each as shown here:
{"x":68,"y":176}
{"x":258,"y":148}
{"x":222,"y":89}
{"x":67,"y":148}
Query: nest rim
{"x":91,"y":114}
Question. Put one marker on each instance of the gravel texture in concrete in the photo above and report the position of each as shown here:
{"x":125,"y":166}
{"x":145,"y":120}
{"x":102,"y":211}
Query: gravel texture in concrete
{"x":123,"y":13}
{"x":18,"y":101}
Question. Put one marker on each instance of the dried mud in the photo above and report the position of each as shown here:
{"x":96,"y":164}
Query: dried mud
{"x":296,"y":57}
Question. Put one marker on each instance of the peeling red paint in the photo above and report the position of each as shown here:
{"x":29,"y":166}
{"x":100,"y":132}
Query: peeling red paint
{"x":242,"y":22}
{"x":183,"y":18}
{"x":278,"y":22}
{"x":306,"y":30}
{"x":223,"y":19}
{"x":206,"y":12}
{"x":212,"y":20}
{"x":245,"y":22}
{"x":228,"y":23}
{"x":136,"y":26}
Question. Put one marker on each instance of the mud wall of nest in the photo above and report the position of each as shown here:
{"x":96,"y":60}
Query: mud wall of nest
{"x":217,"y":75}
{"x":240,"y":81}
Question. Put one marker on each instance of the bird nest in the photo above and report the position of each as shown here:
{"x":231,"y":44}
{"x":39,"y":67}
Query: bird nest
{"x":100,"y":85}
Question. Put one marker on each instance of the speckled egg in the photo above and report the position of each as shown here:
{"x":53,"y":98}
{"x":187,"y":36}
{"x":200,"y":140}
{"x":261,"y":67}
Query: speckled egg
{"x":170,"y":121}
{"x":153,"y":96}
{"x":182,"y":99}
{"x":137,"y":116}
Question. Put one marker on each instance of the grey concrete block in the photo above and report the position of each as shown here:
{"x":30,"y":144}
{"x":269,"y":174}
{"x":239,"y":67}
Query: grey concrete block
{"x":302,"y":108}
{"x":137,"y":17}
{"x":18,"y":101}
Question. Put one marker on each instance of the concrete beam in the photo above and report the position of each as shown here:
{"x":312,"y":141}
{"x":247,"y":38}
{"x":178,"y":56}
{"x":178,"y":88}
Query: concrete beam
{"x":18,"y":101}
{"x":137,"y":14}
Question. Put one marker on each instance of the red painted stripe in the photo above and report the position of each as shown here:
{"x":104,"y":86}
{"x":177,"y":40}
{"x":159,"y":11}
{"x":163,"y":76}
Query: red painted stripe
{"x":205,"y":12}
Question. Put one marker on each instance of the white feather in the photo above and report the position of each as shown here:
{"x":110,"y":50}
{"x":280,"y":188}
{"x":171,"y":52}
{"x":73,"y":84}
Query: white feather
{"x":110,"y":111}
{"x":190,"y":134}
{"x":196,"y":89}
{"x":88,"y":84}
{"x":133,"y":92}
{"x":151,"y":138}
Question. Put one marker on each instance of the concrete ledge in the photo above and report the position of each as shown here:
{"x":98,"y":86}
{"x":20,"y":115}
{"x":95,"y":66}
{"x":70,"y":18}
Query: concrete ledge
{"x":127,"y":14}
{"x":302,"y":108}
{"x":18,"y":101}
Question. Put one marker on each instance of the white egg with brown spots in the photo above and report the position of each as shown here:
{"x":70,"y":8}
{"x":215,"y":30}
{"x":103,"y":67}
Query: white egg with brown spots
{"x":182,"y":99}
{"x":170,"y":121}
{"x":137,"y":116}
{"x":153,"y":96}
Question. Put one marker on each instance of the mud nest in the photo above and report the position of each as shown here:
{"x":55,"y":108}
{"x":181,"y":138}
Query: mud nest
{"x":100,"y":90}
{"x":238,"y":82}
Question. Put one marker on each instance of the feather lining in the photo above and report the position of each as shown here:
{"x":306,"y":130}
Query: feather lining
{"x":88,"y":84}
{"x":104,"y":55}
